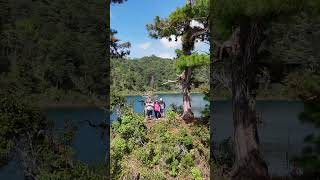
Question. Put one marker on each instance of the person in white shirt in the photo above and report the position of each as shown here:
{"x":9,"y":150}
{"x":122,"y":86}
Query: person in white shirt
{"x":149,"y":108}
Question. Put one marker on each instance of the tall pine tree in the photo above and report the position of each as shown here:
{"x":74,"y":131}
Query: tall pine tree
{"x":178,"y":25}
{"x":238,"y":30}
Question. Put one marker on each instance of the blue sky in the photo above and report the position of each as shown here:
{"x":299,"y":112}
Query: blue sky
{"x":130,"y":19}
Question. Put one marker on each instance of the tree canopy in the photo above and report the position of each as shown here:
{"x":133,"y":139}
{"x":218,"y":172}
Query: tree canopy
{"x":194,"y":60}
{"x":143,"y":74}
{"x":53,"y":48}
{"x":227,"y":15}
{"x":177,"y":23}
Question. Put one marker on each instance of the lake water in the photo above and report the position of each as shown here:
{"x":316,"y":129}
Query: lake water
{"x":281,"y":132}
{"x":197,"y":102}
{"x":89,"y":145}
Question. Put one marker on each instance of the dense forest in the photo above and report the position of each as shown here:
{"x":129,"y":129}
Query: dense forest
{"x":132,"y":76}
{"x":53,"y":51}
{"x":140,"y":75}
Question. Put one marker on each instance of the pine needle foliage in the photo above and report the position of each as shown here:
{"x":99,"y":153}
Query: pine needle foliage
{"x":194,"y":60}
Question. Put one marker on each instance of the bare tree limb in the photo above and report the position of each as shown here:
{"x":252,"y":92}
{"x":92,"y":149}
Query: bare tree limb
{"x":170,"y":81}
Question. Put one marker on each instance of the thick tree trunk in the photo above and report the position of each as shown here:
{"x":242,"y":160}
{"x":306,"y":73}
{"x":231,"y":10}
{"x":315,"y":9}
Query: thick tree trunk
{"x":249,"y":165}
{"x":186,"y":87}
{"x":185,"y":78}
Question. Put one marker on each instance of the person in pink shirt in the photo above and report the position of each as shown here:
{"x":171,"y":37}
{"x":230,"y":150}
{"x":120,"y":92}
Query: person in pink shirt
{"x":157,"y":109}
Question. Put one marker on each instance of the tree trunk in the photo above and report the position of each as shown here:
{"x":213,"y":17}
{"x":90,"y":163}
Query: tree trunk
{"x":249,"y":164}
{"x":185,"y":78}
{"x":186,"y":87}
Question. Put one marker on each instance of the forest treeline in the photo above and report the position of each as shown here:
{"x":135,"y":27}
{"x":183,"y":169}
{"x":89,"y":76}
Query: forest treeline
{"x":53,"y":51}
{"x":151,"y":73}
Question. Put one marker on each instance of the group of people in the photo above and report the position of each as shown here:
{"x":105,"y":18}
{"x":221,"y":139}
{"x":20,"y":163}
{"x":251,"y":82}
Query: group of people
{"x":158,"y":107}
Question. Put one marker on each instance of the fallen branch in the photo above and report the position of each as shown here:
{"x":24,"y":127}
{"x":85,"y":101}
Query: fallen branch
{"x":170,"y":81}
{"x":101,"y":125}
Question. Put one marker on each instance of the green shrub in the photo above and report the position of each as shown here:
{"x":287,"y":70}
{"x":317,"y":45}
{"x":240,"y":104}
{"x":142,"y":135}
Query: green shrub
{"x":130,"y":126}
{"x":196,"y":173}
{"x":202,"y":134}
{"x":155,"y":175}
{"x":171,"y":115}
{"x":80,"y":171}
{"x":17,"y":118}
{"x":187,"y":161}
{"x":119,"y":147}
{"x":174,"y":167}
{"x":187,"y":141}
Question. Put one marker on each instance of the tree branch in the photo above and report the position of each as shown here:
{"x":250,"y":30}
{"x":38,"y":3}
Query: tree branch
{"x":170,"y":81}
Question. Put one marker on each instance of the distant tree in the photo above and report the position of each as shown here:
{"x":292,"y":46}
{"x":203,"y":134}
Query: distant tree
{"x":117,"y":49}
{"x":43,"y":50}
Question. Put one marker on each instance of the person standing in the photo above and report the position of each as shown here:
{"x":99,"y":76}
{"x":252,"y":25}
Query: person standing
{"x":149,"y":108}
{"x":157,"y":109}
{"x":162,"y":107}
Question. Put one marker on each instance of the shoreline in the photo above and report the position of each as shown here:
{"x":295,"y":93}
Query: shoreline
{"x":101,"y":105}
{"x":157,"y":93}
{"x":82,"y":105}
{"x":217,"y":98}
{"x":259,"y":99}
{"x":161,"y":93}
{"x":70,"y":105}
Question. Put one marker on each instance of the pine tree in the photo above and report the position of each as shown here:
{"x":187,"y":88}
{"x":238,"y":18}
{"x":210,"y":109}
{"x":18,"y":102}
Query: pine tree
{"x":238,"y":30}
{"x":177,"y":25}
{"x":117,"y":49}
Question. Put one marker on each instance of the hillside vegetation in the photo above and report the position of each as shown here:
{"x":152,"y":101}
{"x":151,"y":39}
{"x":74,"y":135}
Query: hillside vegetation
{"x":164,"y":149}
{"x":150,"y":74}
{"x":137,"y":76}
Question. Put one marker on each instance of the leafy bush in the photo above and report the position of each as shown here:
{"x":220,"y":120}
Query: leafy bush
{"x":187,"y":160}
{"x":17,"y":118}
{"x":171,"y":115}
{"x":167,"y":146}
{"x":196,"y":173}
{"x":176,"y":109}
{"x":119,"y":146}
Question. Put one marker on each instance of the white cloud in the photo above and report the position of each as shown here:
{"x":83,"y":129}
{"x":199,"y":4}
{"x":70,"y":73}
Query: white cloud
{"x":171,"y":44}
{"x":195,"y":23}
{"x":166,"y":55}
{"x":144,"y":46}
